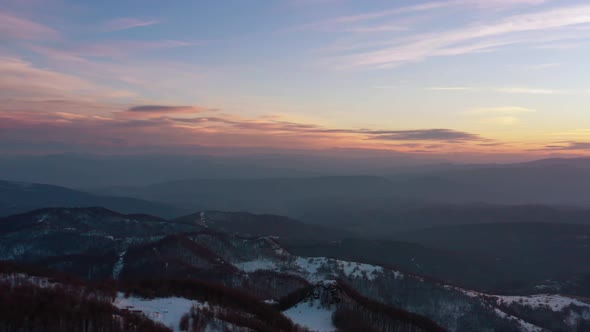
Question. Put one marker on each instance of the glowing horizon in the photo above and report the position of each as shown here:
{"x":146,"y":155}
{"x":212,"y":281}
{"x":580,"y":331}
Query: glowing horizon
{"x":477,"y":80}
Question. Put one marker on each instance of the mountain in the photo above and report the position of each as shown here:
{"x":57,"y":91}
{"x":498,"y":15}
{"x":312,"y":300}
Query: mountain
{"x":248,"y":224}
{"x":386,"y":221}
{"x":258,"y":195}
{"x":536,"y":183}
{"x":457,"y":267}
{"x":255,"y":279}
{"x":333,"y":200}
{"x":88,"y":170}
{"x":537,"y":255}
{"x":377,"y":205}
{"x":583,"y":162}
{"x":37,"y":303}
{"x":17,"y":197}
{"x":526,"y":192}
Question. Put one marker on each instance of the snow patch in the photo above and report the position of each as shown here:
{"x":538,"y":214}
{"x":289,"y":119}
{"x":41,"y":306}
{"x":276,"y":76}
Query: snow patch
{"x":553,"y":302}
{"x":524,"y":326}
{"x":167,"y":311}
{"x":260,"y":264}
{"x":312,"y":315}
{"x":118,"y":267}
{"x":319,"y":267}
{"x":19,"y":278}
{"x":315,"y":269}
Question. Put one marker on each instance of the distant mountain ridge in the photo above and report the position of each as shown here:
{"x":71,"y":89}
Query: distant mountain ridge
{"x":18,"y":197}
{"x":514,"y":193}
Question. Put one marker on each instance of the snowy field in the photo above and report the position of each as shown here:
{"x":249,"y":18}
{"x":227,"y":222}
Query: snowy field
{"x":167,"y":311}
{"x":315,"y":269}
{"x":312,"y":315}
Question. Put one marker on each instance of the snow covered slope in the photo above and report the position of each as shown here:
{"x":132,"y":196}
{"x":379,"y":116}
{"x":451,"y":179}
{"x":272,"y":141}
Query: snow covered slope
{"x":167,"y":311}
{"x":312,"y":315}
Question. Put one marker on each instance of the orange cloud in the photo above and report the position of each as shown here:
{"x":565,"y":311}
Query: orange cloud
{"x":157,"y":125}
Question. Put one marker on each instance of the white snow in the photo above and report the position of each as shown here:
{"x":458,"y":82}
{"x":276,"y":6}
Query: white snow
{"x":314,"y":269}
{"x":573,"y":318}
{"x":20,"y":278}
{"x":524,"y":326}
{"x":312,"y":315}
{"x":469,"y":292}
{"x":259,"y":264}
{"x":119,"y":265}
{"x":553,"y":302}
{"x":202,"y":220}
{"x":317,"y":268}
{"x":167,"y":311}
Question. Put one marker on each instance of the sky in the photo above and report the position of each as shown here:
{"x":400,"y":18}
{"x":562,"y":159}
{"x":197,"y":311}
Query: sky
{"x":472,"y":79}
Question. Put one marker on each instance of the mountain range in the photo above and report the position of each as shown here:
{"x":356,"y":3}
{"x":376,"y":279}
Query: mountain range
{"x":164,"y":264}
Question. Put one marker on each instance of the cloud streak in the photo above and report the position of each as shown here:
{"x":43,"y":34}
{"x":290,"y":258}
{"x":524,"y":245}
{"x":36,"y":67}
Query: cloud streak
{"x":441,"y":135}
{"x":156,"y":111}
{"x":507,"y":89}
{"x":570,"y":145}
{"x":423,"y":7}
{"x":471,"y":39}
{"x":128,"y":23}
{"x":178,"y":126}
{"x":502,"y":110}
{"x":18,"y":28}
{"x":162,"y":109}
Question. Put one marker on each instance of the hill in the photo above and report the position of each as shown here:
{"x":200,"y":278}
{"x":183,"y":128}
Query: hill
{"x":18,"y":197}
{"x":154,"y":260}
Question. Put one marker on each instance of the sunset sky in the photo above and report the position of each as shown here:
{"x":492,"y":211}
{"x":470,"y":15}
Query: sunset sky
{"x":494,"y":79}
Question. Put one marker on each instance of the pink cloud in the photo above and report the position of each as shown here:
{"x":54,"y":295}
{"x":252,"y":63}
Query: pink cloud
{"x":21,"y":78}
{"x":17,"y":28}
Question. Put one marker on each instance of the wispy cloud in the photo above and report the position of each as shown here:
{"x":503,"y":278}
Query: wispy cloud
{"x":170,"y":124}
{"x":376,"y":28}
{"x":18,"y":28}
{"x":450,"y":88}
{"x":19,"y":78}
{"x":444,"y":135}
{"x":385,"y":87}
{"x":543,"y":66}
{"x":502,"y":110}
{"x":85,"y":53}
{"x":470,"y":39}
{"x":508,"y":89}
{"x":504,"y":115}
{"x":125,"y":47}
{"x":148,"y":111}
{"x":128,"y":23}
{"x":370,"y":16}
{"x":560,"y":45}
{"x":162,"y":109}
{"x":423,"y":7}
{"x":531,"y":91}
{"x":570,"y":145}
{"x":505,"y":120}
